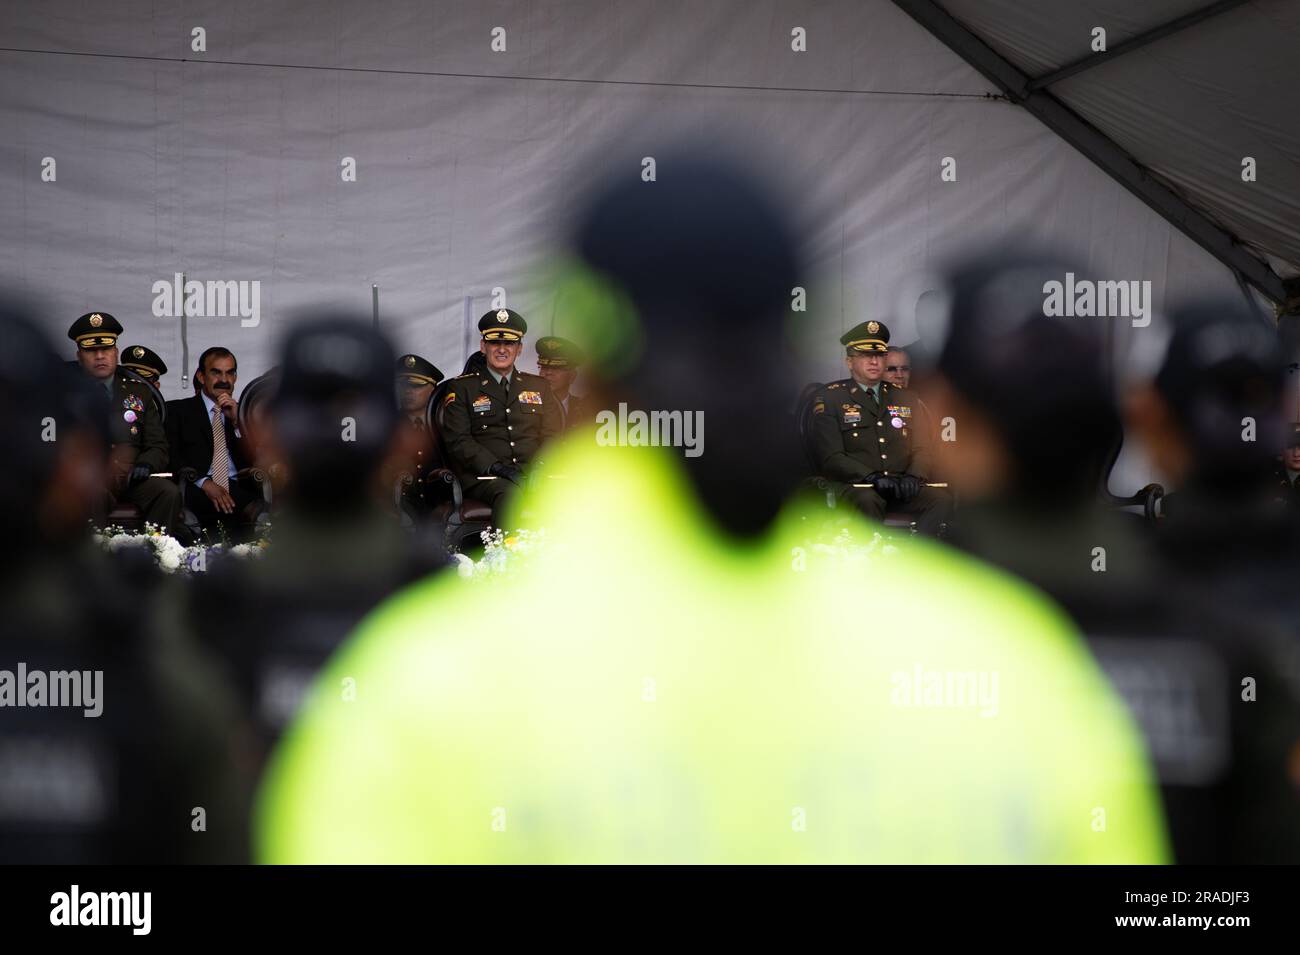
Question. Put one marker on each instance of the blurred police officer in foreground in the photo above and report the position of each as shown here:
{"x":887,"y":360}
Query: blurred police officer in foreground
{"x":1212,"y":418}
{"x":874,"y":438}
{"x":677,"y":693}
{"x":139,"y":444}
{"x":1211,"y":415}
{"x":145,"y":362}
{"x":494,"y":423}
{"x":140,"y":767}
{"x":1036,"y":422}
{"x":335,"y":552}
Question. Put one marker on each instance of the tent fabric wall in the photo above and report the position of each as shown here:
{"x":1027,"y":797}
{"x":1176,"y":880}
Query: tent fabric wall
{"x":225,"y":165}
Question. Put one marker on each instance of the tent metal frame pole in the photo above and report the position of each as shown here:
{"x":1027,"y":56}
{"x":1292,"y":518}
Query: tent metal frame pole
{"x":185,"y":341}
{"x":1132,"y":43}
{"x":1097,"y":147}
{"x":468,"y":324}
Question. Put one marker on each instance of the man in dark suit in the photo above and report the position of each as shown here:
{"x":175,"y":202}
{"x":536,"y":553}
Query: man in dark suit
{"x":202,"y":434}
{"x":139,"y":444}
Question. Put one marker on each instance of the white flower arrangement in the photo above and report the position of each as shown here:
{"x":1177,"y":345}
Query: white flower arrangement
{"x":502,"y":552}
{"x":171,"y":555}
{"x":845,"y":548}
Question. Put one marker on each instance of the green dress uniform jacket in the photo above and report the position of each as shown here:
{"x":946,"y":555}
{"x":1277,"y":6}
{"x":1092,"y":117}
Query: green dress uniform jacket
{"x":139,"y":439}
{"x":482,"y":427}
{"x":854,"y":435}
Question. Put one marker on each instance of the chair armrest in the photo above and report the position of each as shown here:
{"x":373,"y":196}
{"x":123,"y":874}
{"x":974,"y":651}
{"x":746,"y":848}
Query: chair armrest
{"x":1148,"y":498}
{"x":447,"y":476}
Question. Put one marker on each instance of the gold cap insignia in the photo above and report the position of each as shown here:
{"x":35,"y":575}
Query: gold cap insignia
{"x":410,"y":361}
{"x":503,"y":316}
{"x":96,"y":320}
{"x":137,"y":351}
{"x":873,"y":327}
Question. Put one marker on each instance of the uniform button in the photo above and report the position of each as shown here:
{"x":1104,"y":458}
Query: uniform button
{"x":879,"y":425}
{"x":507,"y":411}
{"x":853,"y":435}
{"x":510,"y":427}
{"x":881,"y":440}
{"x":512,"y":444}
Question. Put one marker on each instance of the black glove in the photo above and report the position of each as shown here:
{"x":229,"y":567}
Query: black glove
{"x":508,"y":471}
{"x":909,"y":485}
{"x":138,"y":474}
{"x":885,"y":485}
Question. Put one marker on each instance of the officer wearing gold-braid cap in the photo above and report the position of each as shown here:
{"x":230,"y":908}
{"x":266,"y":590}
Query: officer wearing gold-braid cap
{"x":558,"y":361}
{"x":495,"y":421}
{"x":417,"y":378}
{"x":145,"y":362}
{"x":139,"y":444}
{"x":866,"y":430}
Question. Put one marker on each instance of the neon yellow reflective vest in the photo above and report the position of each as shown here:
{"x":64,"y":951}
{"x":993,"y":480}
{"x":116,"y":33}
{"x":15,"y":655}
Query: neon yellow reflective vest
{"x":645,"y":690}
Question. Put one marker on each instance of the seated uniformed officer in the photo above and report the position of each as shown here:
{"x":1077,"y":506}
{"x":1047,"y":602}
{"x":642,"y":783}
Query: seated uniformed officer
{"x":145,"y":362}
{"x":1288,"y":470}
{"x":495,"y":422}
{"x":139,"y":444}
{"x":868,"y":431}
{"x":416,"y":380}
{"x":558,"y":361}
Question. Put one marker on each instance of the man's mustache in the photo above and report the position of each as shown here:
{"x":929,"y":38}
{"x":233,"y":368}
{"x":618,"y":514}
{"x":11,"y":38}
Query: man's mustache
{"x":221,"y":386}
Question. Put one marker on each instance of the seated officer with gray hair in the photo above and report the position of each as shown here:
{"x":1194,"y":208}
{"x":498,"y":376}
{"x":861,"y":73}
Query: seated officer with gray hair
{"x":494,"y":421}
{"x":867,"y":431}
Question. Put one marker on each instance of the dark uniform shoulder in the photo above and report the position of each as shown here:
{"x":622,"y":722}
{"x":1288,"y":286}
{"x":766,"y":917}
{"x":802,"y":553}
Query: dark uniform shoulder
{"x":464,"y":381}
{"x":531,"y":378}
{"x":462,"y":384}
{"x":832,"y":387}
{"x":131,"y":384}
{"x":897,"y":391}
